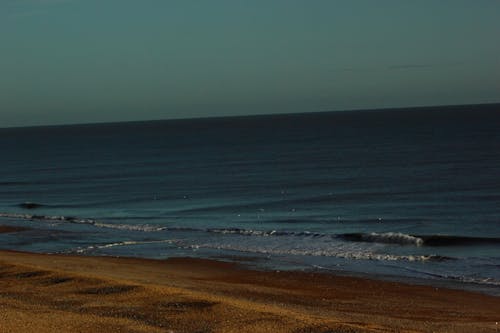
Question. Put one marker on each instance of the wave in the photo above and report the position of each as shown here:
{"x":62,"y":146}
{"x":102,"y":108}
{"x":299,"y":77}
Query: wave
{"x":419,"y":240}
{"x":90,"y":248}
{"x":332,"y":252}
{"x":386,"y":238}
{"x":382,"y":238}
{"x":322,"y":252}
{"x":75,"y":220}
{"x":467,"y":279}
{"x":30,"y":205}
{"x":443,"y":240}
{"x":329,"y":250}
{"x":152,"y":228}
{"x":373,"y":237}
{"x":264,"y":233}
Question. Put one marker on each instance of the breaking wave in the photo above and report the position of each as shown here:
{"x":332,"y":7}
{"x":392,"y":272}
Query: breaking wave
{"x":75,"y":220}
{"x":419,"y":240}
{"x":443,"y":240}
{"x":397,"y":238}
{"x":386,"y":238}
{"x":82,"y":250}
{"x":264,"y":233}
{"x":323,"y":252}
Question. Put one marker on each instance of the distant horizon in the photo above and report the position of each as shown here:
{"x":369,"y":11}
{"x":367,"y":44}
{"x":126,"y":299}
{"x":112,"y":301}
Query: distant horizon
{"x":409,"y":108}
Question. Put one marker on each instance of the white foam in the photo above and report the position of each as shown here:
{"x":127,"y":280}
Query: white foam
{"x":96,"y":223}
{"x":263,"y":233}
{"x":392,"y":238}
{"x":326,"y":252}
{"x":115,"y":244}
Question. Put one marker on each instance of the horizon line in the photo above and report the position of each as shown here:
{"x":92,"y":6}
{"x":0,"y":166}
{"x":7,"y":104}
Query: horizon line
{"x":256,"y":115}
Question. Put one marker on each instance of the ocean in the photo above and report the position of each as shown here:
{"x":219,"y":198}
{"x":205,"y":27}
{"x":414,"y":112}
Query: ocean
{"x":400,"y":194}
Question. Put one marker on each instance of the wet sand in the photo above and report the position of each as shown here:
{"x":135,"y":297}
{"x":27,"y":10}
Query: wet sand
{"x":62,"y":293}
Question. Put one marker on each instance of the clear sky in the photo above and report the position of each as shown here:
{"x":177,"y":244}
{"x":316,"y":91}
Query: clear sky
{"x":71,"y":61}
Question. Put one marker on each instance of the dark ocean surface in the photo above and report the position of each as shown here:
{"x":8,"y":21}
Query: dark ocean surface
{"x":402,"y":194}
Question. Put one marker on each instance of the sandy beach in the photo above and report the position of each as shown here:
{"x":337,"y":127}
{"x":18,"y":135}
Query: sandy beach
{"x":249,"y":166}
{"x":62,"y":293}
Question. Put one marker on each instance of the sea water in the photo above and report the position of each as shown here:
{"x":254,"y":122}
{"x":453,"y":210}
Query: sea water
{"x":401,"y":194}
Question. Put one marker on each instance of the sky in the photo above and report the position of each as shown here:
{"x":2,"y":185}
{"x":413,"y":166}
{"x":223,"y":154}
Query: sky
{"x":74,"y":61}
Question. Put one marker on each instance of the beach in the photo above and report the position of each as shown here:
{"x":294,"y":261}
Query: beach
{"x":249,"y":166}
{"x":356,"y":221}
{"x":67,"y":293}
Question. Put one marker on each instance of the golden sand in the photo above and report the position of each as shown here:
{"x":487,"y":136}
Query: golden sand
{"x":62,"y":293}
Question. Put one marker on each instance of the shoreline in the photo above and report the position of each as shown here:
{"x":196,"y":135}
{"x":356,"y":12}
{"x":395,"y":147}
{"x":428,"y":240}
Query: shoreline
{"x":250,"y":263}
{"x":91,"y":294}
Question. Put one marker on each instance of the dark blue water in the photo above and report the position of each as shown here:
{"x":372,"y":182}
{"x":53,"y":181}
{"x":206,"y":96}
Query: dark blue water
{"x":404,"y":193}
